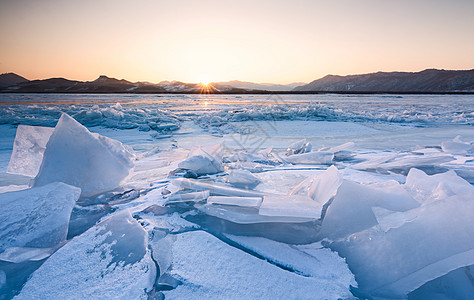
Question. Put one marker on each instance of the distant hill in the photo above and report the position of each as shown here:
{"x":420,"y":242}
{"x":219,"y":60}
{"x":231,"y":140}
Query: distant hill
{"x":9,"y":79}
{"x":430,"y":80}
{"x":256,"y":86}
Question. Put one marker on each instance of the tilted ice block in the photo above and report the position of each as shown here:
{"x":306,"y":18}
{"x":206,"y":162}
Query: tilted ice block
{"x":36,"y":217}
{"x":301,"y":146}
{"x":108,"y":261}
{"x":310,"y":260}
{"x":312,"y":158}
{"x":204,"y":160}
{"x":320,"y":187}
{"x":290,"y":206}
{"x":238,"y":201}
{"x":436,"y":241}
{"x":21,"y":254}
{"x":243,"y":179}
{"x":351,"y":209}
{"x":213,"y":188}
{"x":187,"y":197}
{"x":457,"y":146}
{"x":425,"y":188}
{"x":245,"y":215}
{"x":75,"y":156}
{"x":212,"y":269}
{"x":28,"y":148}
{"x":342,"y":147}
{"x":162,"y":250}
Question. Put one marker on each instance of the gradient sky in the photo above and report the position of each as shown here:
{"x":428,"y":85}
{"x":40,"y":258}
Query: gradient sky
{"x":262,"y":41}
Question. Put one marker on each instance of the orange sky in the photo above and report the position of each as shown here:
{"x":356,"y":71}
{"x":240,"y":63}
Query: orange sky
{"x":261,"y":41}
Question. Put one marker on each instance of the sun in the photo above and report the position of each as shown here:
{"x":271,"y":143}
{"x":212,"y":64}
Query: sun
{"x":205,"y":82}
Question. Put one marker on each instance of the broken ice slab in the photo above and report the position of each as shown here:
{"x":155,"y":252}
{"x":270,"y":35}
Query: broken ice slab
{"x":457,"y":147}
{"x":290,"y":206}
{"x":351,"y":209}
{"x":201,"y":164}
{"x":21,"y":254}
{"x":311,"y":260}
{"x":161,"y":247}
{"x":243,"y":179}
{"x":204,"y":160}
{"x":188,"y":197}
{"x":36,"y":217}
{"x":392,"y":264}
{"x":238,"y":201}
{"x":320,"y":187}
{"x":342,"y":147}
{"x":426,"y":188}
{"x":28,"y":148}
{"x":457,"y":284}
{"x":301,"y":146}
{"x":212,"y":269}
{"x":312,"y":158}
{"x":108,"y":261}
{"x":213,"y":188}
{"x":245,"y":215}
{"x":75,"y":156}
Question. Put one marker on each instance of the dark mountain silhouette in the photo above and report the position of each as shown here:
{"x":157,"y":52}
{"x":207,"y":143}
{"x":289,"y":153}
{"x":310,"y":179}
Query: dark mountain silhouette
{"x":9,"y":79}
{"x":430,"y":80}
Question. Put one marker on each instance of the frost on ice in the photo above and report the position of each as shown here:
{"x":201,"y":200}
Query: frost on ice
{"x":108,"y":261}
{"x":77,"y":157}
{"x":36,"y":217}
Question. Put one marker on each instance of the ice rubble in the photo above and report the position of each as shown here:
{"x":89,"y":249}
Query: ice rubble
{"x":312,"y":158}
{"x":36,"y":217}
{"x":301,"y":146}
{"x":28,"y":148}
{"x":208,"y":269}
{"x":90,"y":161}
{"x":320,"y":187}
{"x":110,"y":260}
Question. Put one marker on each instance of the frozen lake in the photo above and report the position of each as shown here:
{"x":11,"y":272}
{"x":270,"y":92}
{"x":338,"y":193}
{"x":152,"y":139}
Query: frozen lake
{"x":368,"y":176}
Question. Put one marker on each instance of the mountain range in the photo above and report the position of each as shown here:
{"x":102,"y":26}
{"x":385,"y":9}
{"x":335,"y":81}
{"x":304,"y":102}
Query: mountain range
{"x":427,"y":81}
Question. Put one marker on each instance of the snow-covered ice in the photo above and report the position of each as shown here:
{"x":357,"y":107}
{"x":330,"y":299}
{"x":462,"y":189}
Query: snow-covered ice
{"x":110,"y":260}
{"x":208,"y":270}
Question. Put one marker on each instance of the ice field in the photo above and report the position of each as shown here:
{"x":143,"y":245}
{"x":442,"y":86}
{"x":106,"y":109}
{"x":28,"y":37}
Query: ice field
{"x":236,"y":196}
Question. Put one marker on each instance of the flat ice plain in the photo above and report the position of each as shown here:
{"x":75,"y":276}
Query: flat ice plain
{"x":237,"y":196}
